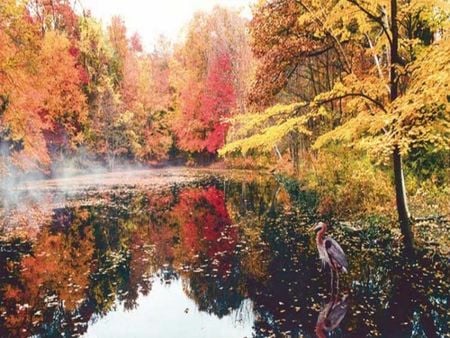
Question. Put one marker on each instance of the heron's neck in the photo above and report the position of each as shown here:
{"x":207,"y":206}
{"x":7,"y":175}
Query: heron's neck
{"x":320,"y":234}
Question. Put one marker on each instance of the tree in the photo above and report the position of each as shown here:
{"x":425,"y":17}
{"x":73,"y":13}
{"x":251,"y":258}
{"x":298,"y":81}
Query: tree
{"x":208,"y":72}
{"x":40,"y":86}
{"x":103,"y":134}
{"x":117,"y":36}
{"x":294,"y":64}
{"x":23,"y":143}
{"x":51,"y":15}
{"x":146,"y":97}
{"x":378,"y":55}
{"x":217,"y":101}
{"x":411,"y":27}
{"x":60,"y":83}
{"x":209,"y":107}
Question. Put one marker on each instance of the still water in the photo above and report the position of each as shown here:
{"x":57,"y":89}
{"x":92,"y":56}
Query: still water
{"x":176,"y":253}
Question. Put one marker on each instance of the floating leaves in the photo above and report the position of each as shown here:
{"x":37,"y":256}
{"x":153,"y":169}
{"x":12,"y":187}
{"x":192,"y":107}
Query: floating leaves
{"x":98,"y":257}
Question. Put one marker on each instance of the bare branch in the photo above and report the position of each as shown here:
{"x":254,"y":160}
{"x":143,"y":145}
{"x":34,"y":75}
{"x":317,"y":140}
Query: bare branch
{"x":361,"y":94}
{"x":346,"y":64}
{"x":376,"y":18}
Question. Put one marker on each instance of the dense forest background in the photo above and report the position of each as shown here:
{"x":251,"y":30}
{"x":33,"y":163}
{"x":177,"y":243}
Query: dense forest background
{"x":351,"y":97}
{"x":72,"y":90}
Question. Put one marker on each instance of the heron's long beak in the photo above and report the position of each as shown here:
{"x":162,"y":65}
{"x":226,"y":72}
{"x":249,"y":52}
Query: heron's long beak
{"x":317,"y":226}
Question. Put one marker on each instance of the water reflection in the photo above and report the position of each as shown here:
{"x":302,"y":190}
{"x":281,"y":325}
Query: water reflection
{"x":168,"y":312}
{"x":228,"y":255}
{"x":331,"y":315}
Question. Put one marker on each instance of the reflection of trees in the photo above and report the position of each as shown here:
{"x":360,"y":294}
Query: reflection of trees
{"x":277,"y":261}
{"x":250,"y":196}
{"x":124,"y":249}
{"x":415,"y":299}
{"x":215,"y":295}
{"x":207,"y":236}
{"x":287,"y":288}
{"x":393,"y":296}
{"x":284,"y":297}
{"x":245,"y":240}
{"x":54,"y":272}
{"x":79,"y":264}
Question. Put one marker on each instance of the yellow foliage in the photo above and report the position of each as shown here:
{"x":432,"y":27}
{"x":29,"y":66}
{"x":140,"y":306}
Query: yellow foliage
{"x":262,"y":131}
{"x":424,"y":111}
{"x":348,"y":183}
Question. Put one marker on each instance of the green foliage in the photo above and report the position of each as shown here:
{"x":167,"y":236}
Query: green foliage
{"x":429,"y":164}
{"x":307,"y":200}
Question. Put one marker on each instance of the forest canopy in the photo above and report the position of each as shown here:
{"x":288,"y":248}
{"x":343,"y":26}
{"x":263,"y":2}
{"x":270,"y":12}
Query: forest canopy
{"x":71,"y":88}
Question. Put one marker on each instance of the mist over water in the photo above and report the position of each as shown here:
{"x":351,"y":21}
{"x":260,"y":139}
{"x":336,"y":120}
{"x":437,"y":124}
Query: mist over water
{"x":28,"y":197}
{"x":202,"y":253}
{"x":66,"y":178}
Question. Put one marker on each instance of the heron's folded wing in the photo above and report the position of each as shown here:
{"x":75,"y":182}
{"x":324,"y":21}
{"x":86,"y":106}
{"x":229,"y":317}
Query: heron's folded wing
{"x":335,"y":252}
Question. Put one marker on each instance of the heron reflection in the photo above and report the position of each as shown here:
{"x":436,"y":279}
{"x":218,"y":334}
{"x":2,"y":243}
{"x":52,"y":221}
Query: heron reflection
{"x":331,"y":315}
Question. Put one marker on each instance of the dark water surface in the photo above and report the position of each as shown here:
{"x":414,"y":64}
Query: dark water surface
{"x":192,"y":254}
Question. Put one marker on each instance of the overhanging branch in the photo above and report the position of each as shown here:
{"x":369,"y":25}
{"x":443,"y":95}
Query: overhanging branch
{"x":343,"y":96}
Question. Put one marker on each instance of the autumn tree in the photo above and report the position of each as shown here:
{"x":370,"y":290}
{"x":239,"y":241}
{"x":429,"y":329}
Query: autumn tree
{"x":146,"y":101}
{"x":43,"y":105}
{"x":293,"y":66}
{"x":117,"y":37}
{"x":96,"y":56}
{"x":215,"y":102}
{"x":51,"y":15}
{"x":21,"y":126}
{"x":64,"y":103}
{"x":378,"y":50}
{"x":210,"y":78}
{"x":381,"y":101}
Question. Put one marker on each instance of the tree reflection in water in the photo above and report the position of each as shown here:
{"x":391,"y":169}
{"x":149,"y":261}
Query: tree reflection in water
{"x":235,"y":244}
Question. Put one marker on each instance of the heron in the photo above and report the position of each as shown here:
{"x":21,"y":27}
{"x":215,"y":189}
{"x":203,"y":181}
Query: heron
{"x":331,"y":253}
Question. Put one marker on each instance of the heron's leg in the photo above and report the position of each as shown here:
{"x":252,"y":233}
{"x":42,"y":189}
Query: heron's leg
{"x":337,"y":281}
{"x":332,"y":284}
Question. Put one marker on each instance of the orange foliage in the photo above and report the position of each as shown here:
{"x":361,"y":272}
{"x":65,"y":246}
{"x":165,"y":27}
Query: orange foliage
{"x":41,"y":84}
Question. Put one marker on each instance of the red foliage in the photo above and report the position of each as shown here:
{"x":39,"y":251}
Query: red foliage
{"x":217,"y":101}
{"x":206,"y":225}
{"x":136,"y":43}
{"x":205,"y":106}
{"x":56,"y":15}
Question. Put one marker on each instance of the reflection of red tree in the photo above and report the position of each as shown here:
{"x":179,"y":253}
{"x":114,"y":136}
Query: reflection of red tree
{"x":205,"y":226}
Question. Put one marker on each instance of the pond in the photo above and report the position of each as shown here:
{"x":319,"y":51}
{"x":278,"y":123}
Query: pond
{"x":193,"y":253}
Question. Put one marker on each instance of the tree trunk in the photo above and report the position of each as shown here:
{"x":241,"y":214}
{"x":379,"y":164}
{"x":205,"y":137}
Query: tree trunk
{"x":295,"y":155}
{"x":400,"y":191}
{"x":402,"y":202}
